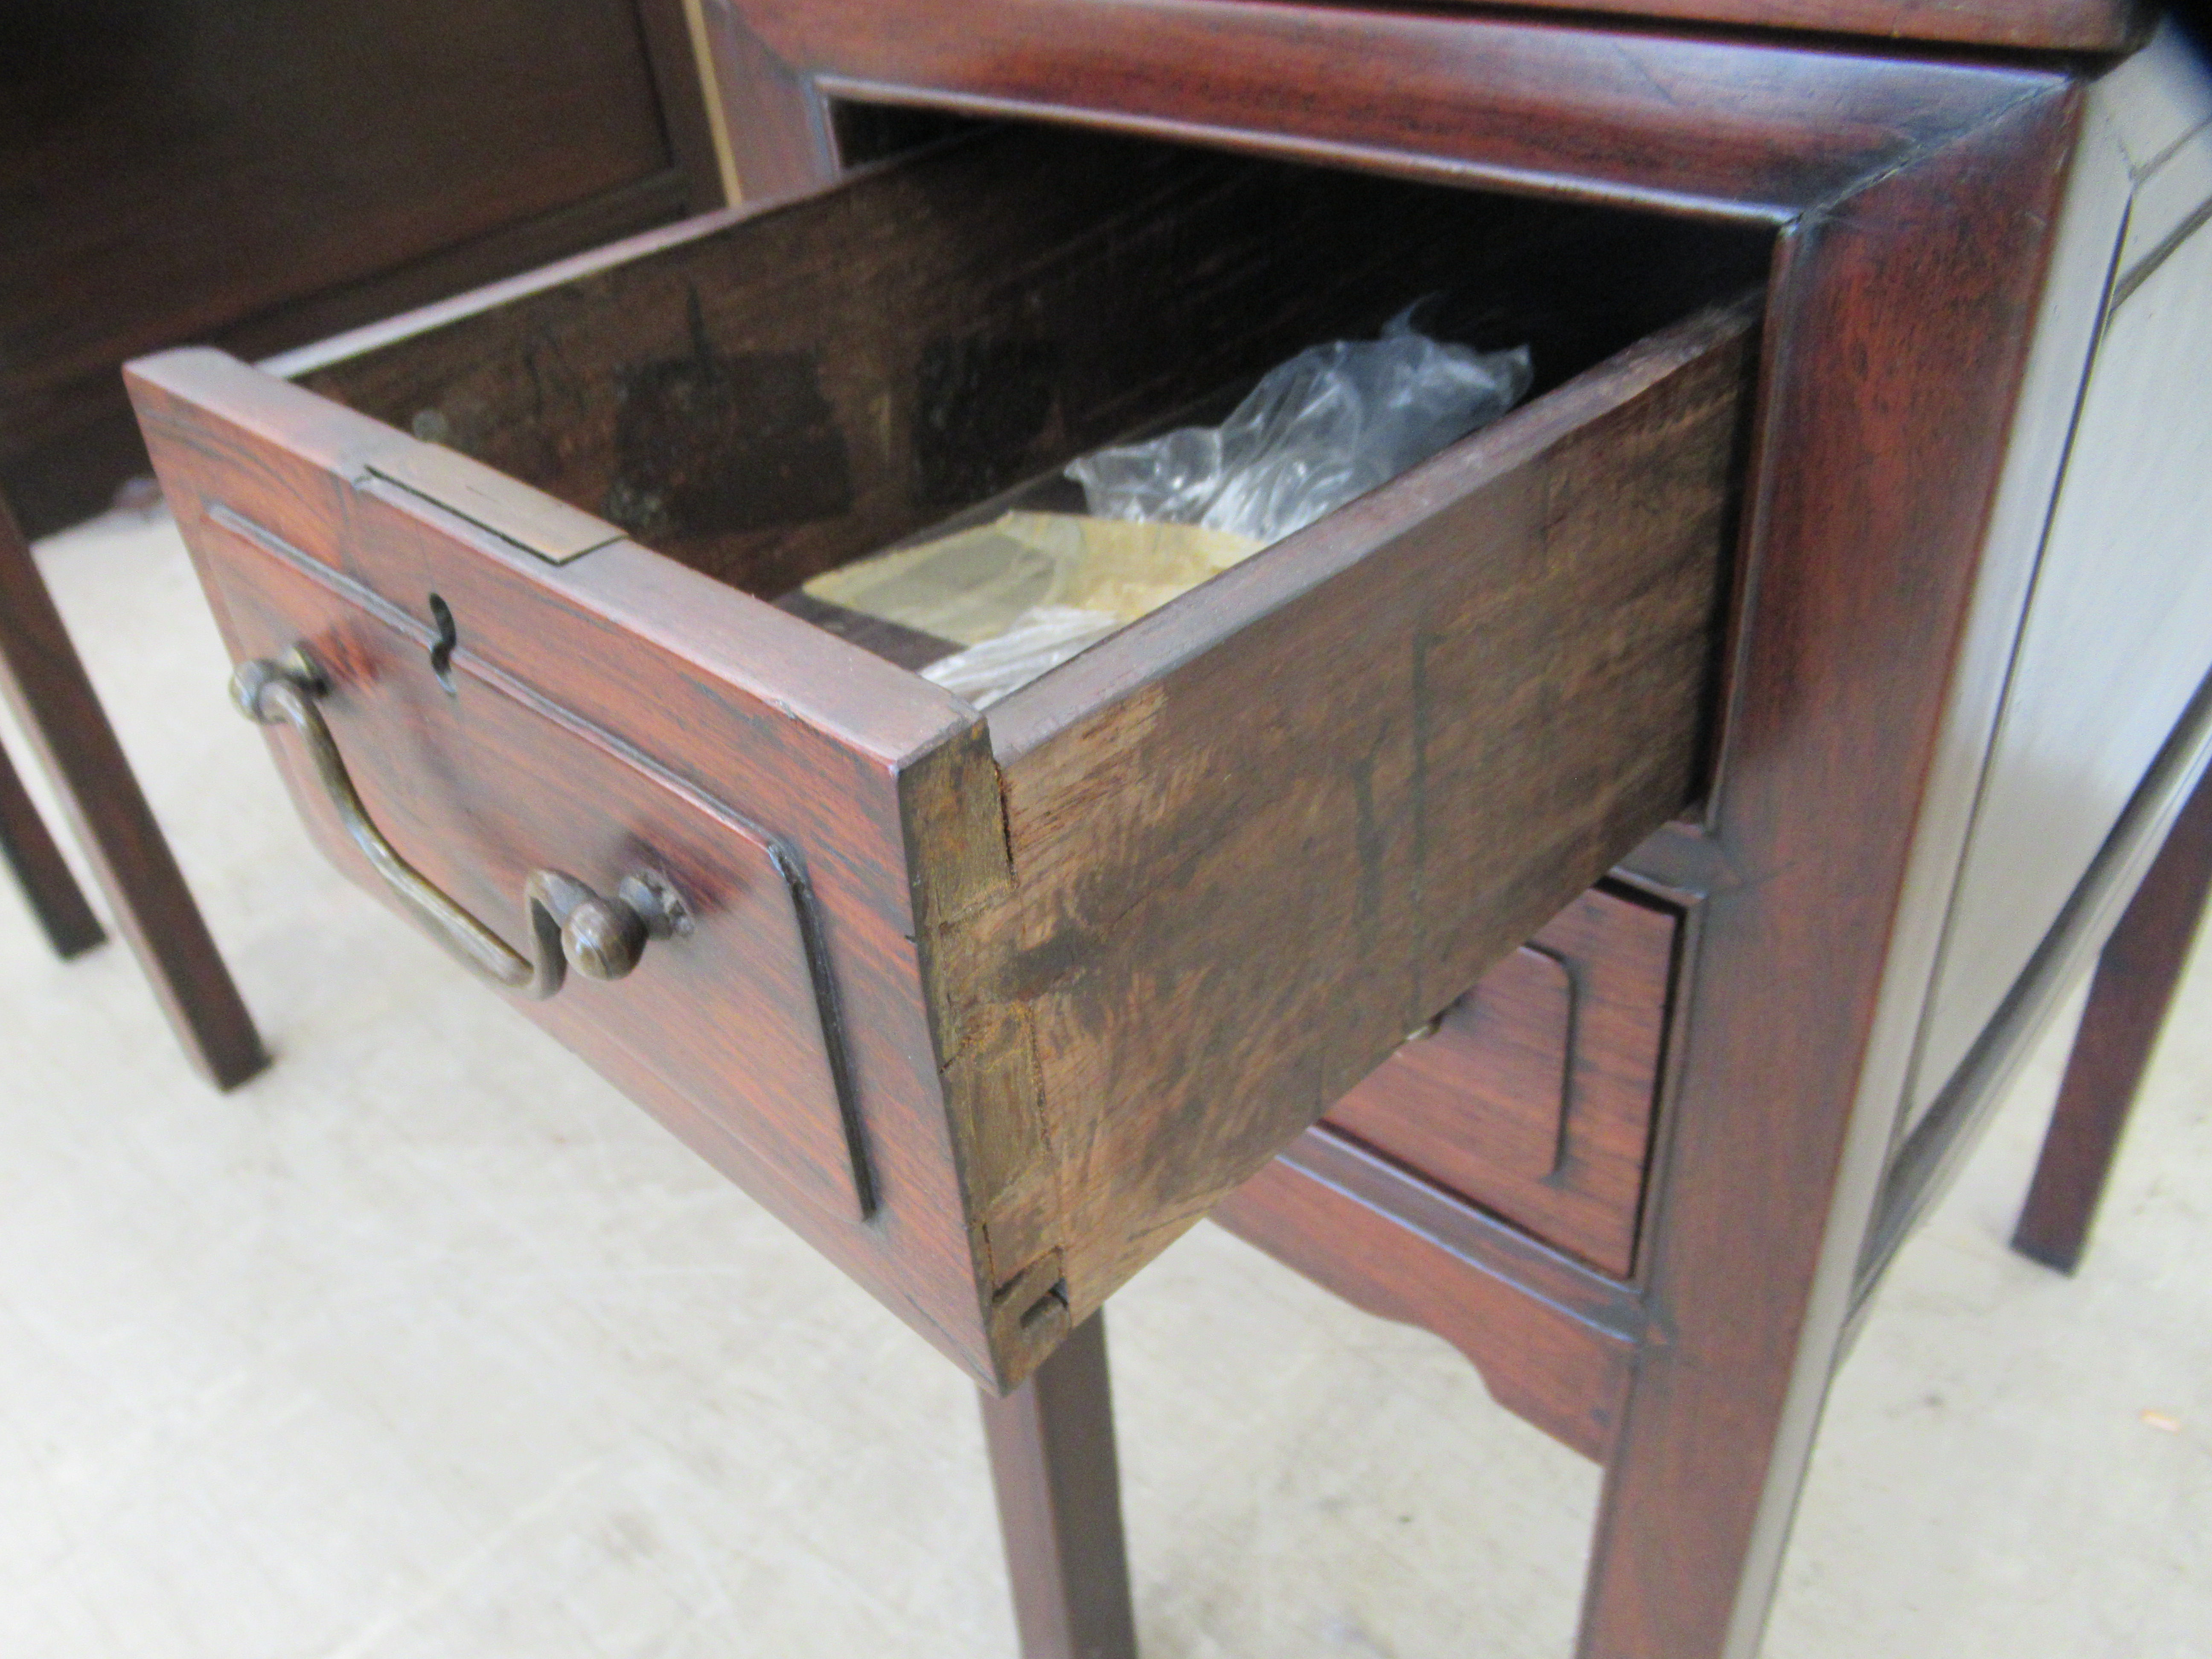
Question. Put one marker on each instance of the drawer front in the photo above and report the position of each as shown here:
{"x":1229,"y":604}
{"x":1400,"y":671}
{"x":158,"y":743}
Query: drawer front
{"x":1534,"y":1097}
{"x":484,"y":783}
{"x":611,"y":711}
{"x":1057,"y":980}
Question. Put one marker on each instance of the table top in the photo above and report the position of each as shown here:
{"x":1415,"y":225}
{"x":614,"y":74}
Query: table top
{"x":2030,"y":25}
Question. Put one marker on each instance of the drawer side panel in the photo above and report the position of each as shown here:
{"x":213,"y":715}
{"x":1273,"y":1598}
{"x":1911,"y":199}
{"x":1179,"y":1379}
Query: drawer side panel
{"x":1339,"y":782}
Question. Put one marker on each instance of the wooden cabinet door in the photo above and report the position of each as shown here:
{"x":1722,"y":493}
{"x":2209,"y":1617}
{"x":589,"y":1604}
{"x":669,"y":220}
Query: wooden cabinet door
{"x":258,"y":174}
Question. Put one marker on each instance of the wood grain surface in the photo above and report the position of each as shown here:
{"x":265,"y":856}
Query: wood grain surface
{"x":1916,"y":198}
{"x":766,"y":397}
{"x":1259,"y":835}
{"x":1887,"y":409}
{"x":1054,"y":1469}
{"x":809,"y":737}
{"x":1553,"y":586}
{"x":2043,"y":25}
{"x":1536,"y":1097}
{"x":261,"y":174}
{"x":1499,"y":1056}
{"x":484,"y":784}
{"x":1555,"y":1342}
{"x":1711,"y":126}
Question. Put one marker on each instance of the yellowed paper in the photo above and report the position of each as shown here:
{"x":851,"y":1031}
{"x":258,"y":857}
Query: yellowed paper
{"x":973,"y":586}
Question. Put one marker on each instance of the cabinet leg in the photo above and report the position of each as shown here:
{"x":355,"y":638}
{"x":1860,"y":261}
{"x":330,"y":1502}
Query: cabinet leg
{"x":2142,"y":965}
{"x":1678,"y":1547}
{"x":54,"y":896}
{"x":43,"y":678}
{"x":1051,"y":1443}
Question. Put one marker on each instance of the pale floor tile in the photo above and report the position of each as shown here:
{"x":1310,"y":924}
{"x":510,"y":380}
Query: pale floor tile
{"x":426,"y":1344}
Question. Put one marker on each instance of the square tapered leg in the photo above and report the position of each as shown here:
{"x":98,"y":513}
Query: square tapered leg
{"x":1060,"y":1504}
{"x":2136,"y":976}
{"x":45,"y":680}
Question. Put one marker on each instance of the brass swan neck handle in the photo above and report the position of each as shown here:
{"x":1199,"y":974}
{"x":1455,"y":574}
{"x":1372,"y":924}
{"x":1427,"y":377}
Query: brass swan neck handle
{"x":569,"y":924}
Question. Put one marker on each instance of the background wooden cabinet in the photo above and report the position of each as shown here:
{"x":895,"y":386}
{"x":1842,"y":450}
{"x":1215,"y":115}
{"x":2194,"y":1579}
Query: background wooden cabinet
{"x":260,"y":173}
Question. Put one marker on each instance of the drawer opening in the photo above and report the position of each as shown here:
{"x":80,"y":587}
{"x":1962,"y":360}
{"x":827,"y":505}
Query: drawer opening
{"x":772,"y":395}
{"x":1089,"y":959}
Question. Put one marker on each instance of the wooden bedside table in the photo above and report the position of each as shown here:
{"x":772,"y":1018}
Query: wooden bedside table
{"x":1789,"y":616}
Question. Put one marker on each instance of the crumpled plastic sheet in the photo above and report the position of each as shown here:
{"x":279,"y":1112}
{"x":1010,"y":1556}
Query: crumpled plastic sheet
{"x":1046,"y":636}
{"x":1330,"y":424}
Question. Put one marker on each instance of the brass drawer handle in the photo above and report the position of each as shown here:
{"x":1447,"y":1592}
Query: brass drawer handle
{"x":570,"y":924}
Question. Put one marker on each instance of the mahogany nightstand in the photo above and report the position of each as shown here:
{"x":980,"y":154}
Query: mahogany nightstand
{"x":1725,"y":763}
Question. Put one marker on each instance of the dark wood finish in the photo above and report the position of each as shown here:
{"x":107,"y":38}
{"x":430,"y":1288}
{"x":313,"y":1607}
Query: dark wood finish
{"x":1520,"y":106}
{"x":689,"y":123}
{"x":265,"y":173}
{"x":1553,"y":585}
{"x":45,"y":683}
{"x":40,"y":870}
{"x":487,"y":782}
{"x":1052,"y":1465}
{"x":1917,"y":200}
{"x":64,"y":474}
{"x":2096,"y":208}
{"x":1534,"y":1097}
{"x":809,"y":738}
{"x":2136,"y":974}
{"x":261,"y":174}
{"x":909,"y":648}
{"x":1768,"y":1126}
{"x":782,"y":138}
{"x":2042,"y":24}
{"x":1498,"y":1055}
{"x":2107,"y":683}
{"x":767,"y":397}
{"x":1229,"y":904}
{"x":1555,"y":1341}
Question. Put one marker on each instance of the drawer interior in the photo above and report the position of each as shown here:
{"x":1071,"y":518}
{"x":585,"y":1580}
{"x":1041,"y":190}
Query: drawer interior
{"x":1093,"y":956}
{"x":765,"y":397}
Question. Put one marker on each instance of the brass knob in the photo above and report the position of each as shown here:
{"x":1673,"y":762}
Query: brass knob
{"x":569,"y":924}
{"x":602,"y":939}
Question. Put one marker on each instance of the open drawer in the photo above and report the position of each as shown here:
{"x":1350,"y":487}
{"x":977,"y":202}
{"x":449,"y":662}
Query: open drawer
{"x":988,"y":1006}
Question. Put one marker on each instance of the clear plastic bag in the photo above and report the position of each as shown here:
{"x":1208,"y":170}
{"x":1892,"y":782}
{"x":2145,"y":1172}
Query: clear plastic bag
{"x":1030,"y":590}
{"x":1044,"y":636}
{"x":1330,"y":424}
